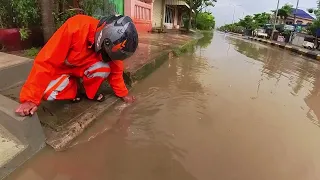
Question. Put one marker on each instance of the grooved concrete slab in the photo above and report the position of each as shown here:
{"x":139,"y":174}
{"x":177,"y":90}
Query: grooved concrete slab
{"x":10,"y":146}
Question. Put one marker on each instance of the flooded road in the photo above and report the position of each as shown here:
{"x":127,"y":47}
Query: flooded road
{"x":230,"y":110}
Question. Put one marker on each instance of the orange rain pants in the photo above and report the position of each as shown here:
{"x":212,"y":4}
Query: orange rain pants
{"x":69,"y":55}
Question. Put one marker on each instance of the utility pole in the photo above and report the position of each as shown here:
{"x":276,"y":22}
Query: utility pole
{"x":275,"y":20}
{"x":234,"y":11}
{"x":295,"y":14}
{"x":294,"y":21}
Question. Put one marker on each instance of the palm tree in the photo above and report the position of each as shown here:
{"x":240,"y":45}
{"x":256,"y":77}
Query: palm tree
{"x":197,"y":6}
{"x":200,"y":6}
{"x":285,"y":11}
{"x":262,"y":18}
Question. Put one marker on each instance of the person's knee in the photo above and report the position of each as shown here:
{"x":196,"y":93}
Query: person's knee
{"x":50,"y":96}
{"x":99,"y":69}
{"x":103,"y":75}
{"x":55,"y":87}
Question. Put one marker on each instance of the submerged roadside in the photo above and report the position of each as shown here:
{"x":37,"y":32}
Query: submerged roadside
{"x":57,"y":124}
{"x":62,"y":121}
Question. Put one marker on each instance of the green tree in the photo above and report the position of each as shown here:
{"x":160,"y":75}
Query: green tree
{"x":202,"y":5}
{"x":26,"y":12}
{"x":232,"y":28}
{"x":6,"y":14}
{"x":64,"y":10}
{"x":197,"y":6}
{"x":248,"y":23}
{"x":314,"y":26}
{"x":316,"y":23}
{"x":284,"y":11}
{"x":261,"y":19}
{"x":205,"y":21}
{"x":312,"y":29}
{"x":25,"y":15}
{"x":91,"y":7}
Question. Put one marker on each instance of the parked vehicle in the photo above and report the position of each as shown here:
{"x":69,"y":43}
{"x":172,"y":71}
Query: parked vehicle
{"x":261,"y":33}
{"x":308,"y":45}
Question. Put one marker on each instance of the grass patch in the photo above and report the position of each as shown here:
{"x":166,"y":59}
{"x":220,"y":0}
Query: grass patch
{"x":188,"y":47}
{"x":206,"y":31}
{"x":32,"y":53}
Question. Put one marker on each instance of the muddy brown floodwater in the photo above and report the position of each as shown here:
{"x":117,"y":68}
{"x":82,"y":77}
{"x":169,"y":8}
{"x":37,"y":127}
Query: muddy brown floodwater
{"x":231,"y":110}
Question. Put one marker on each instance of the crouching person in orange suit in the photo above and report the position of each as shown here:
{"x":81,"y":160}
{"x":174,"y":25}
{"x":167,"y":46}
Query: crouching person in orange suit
{"x":82,"y":48}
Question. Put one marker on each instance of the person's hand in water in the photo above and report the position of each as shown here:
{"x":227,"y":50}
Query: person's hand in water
{"x":27,"y":109}
{"x":129,"y":99}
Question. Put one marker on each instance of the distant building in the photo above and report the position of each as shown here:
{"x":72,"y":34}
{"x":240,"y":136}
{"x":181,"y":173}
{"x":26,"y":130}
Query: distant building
{"x":155,"y":13}
{"x":171,"y":13}
{"x":302,"y":18}
{"x":146,"y":14}
{"x":141,"y":12}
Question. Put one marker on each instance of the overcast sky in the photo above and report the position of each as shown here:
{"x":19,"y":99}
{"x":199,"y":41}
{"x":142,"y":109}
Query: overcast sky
{"x":223,"y":10}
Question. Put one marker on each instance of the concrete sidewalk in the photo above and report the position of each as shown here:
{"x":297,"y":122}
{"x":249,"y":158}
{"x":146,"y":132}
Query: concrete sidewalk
{"x":305,"y":52}
{"x":8,"y":60}
{"x":62,"y":121}
{"x":20,"y":138}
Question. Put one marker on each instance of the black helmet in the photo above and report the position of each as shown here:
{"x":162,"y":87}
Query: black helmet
{"x":116,"y":37}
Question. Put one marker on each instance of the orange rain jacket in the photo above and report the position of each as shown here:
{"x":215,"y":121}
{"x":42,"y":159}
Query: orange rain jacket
{"x":69,"y":51}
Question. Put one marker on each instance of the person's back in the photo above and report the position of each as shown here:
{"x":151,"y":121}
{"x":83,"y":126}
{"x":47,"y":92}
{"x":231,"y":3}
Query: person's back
{"x":75,"y":40}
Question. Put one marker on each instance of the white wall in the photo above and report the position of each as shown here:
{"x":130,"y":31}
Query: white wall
{"x":156,"y":15}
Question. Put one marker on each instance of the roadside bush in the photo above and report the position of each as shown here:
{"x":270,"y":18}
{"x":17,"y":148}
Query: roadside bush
{"x":62,"y":17}
{"x":205,"y":21}
{"x":95,"y":8}
{"x":6,"y":19}
{"x":91,"y":7}
{"x":32,"y":53}
{"x":232,"y":28}
{"x":26,"y":13}
{"x":21,"y":14}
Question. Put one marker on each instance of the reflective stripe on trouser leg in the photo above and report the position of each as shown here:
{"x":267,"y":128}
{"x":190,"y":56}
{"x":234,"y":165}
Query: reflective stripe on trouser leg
{"x":94,"y":76}
{"x":98,"y":69}
{"x":61,"y":88}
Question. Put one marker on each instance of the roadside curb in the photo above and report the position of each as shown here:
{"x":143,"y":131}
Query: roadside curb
{"x":235,"y":34}
{"x":151,"y":66}
{"x":20,"y":137}
{"x":61,"y":140}
{"x":25,"y":133}
{"x":301,"y":51}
